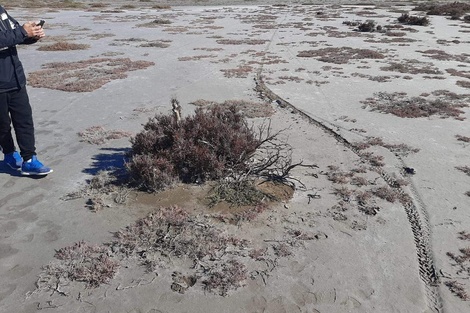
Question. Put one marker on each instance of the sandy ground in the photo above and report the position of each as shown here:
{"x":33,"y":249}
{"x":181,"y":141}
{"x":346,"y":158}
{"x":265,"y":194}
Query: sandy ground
{"x":393,"y":261}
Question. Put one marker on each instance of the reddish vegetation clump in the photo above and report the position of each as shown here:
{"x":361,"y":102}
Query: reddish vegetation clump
{"x":201,"y":147}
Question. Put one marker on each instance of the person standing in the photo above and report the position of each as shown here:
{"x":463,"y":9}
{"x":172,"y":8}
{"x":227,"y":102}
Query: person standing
{"x":14,"y":101}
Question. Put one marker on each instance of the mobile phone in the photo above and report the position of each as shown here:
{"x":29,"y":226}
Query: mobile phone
{"x":41,"y":23}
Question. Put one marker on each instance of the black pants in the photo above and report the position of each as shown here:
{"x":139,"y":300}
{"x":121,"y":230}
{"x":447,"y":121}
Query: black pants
{"x":15,"y":108}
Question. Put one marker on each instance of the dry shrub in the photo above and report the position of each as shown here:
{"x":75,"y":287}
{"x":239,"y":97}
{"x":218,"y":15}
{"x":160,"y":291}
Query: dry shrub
{"x":369,"y":26}
{"x":63,"y":46}
{"x":413,"y":20}
{"x":81,"y":262}
{"x":444,"y":104}
{"x":340,"y":55}
{"x":84,"y":76}
{"x":202,"y":147}
{"x":98,"y":135}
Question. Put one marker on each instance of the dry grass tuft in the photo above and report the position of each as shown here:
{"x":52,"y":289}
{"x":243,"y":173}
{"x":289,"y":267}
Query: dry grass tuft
{"x":84,"y":76}
{"x":97,"y":135}
{"x":250,"y":109}
{"x":63,"y":46}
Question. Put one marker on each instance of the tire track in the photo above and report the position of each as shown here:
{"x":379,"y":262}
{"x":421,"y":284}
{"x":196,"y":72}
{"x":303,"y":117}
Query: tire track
{"x":415,"y":208}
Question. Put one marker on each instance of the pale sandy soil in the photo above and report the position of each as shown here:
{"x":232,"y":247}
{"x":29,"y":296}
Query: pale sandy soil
{"x":394,"y":261}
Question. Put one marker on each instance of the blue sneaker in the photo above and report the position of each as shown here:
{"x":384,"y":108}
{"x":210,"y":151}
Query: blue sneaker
{"x":13,"y":160}
{"x":33,"y":167}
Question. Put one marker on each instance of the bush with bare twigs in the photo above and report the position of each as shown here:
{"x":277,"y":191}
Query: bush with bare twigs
{"x":214,"y":143}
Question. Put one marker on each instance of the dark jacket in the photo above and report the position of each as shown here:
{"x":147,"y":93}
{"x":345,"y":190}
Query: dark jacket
{"x":11,"y":70}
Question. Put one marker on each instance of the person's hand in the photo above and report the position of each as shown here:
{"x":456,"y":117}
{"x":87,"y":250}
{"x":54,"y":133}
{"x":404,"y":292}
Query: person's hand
{"x":34,"y":31}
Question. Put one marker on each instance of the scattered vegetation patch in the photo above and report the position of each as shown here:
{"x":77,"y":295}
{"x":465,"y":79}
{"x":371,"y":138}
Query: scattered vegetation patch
{"x":63,"y":46}
{"x":341,"y":55}
{"x":84,"y":76}
{"x":172,"y":235}
{"x":443,"y":104}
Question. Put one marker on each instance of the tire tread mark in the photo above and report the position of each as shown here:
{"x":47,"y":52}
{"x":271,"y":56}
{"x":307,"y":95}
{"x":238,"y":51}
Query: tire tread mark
{"x":415,"y":209}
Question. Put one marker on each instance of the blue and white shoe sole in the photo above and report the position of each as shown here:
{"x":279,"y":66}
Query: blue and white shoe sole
{"x":35,"y":174}
{"x":14,"y":168}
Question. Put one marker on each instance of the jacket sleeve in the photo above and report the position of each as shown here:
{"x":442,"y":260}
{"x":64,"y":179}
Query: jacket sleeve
{"x":9,"y":38}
